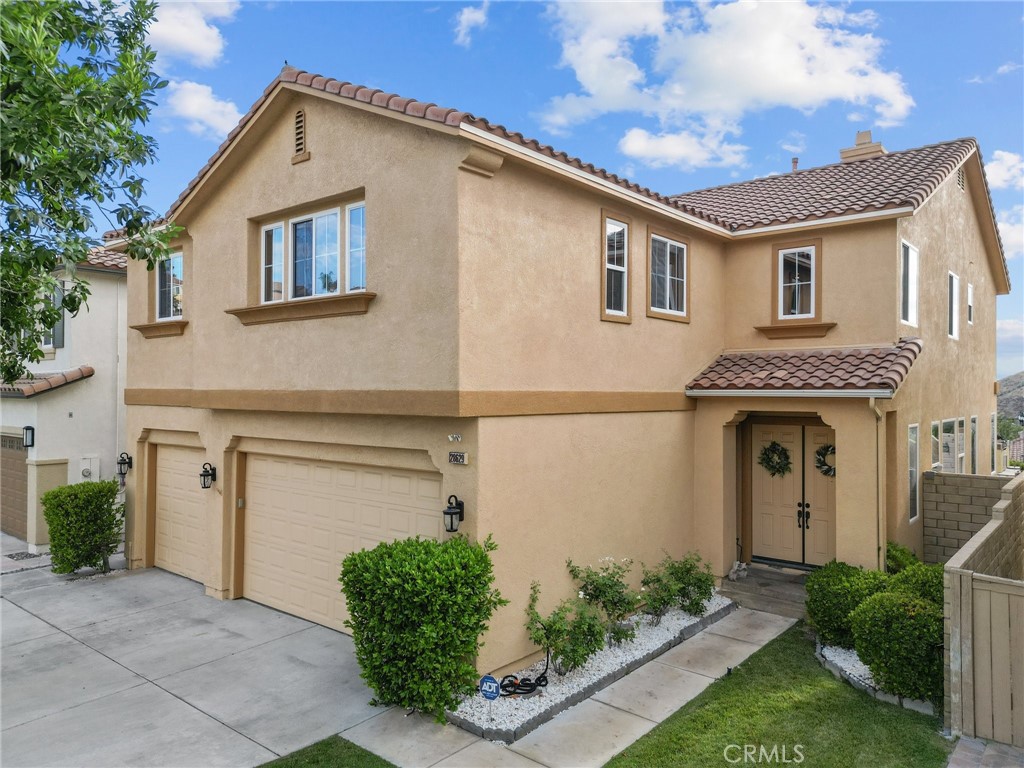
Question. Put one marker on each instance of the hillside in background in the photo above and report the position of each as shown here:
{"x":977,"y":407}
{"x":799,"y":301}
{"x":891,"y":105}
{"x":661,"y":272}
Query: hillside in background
{"x":1011,"y":395}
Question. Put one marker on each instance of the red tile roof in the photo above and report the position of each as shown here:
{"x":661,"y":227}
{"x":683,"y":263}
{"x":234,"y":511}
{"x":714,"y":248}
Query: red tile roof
{"x":894,"y":180}
{"x":100,"y":258}
{"x":821,"y":371}
{"x":45,"y":382}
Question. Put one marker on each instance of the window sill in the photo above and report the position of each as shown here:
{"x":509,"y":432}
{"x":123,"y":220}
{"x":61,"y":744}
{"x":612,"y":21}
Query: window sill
{"x":305,"y":309}
{"x":796,"y":330}
{"x":162,"y":328}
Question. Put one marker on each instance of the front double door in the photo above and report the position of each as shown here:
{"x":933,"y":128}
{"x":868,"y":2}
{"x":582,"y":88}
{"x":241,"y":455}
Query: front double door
{"x":794,"y":514}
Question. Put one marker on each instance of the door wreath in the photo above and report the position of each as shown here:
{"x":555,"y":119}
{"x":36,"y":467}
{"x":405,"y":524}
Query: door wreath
{"x":821,"y":460}
{"x":775,"y":459}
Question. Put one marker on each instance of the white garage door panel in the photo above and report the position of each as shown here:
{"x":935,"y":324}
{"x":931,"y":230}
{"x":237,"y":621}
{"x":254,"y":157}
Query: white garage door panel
{"x":303,"y":517}
{"x":180,"y":529}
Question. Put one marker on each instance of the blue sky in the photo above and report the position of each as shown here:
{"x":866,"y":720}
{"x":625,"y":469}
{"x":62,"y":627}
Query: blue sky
{"x":674,"y":96}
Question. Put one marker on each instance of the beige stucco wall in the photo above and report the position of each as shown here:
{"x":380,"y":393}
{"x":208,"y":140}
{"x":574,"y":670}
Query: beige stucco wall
{"x":408,"y":338}
{"x":581,"y":487}
{"x":530,"y":266}
{"x":43,"y":475}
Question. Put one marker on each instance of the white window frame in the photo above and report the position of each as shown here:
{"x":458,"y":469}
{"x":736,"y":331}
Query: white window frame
{"x":970,"y":303}
{"x":936,"y":445}
{"x":961,"y":445}
{"x":290,"y":254}
{"x":948,"y":448}
{"x":349,"y":288}
{"x":909,"y":262}
{"x":167,"y":264}
{"x":974,"y":445}
{"x":953,"y":306}
{"x":813,"y":283}
{"x":669,"y":277}
{"x":263,"y":262}
{"x":624,"y":269}
{"x":913,"y":471}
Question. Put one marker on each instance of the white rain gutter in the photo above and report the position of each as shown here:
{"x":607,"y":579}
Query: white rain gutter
{"x":567,"y":170}
{"x":878,"y":488}
{"x":884,"y":394}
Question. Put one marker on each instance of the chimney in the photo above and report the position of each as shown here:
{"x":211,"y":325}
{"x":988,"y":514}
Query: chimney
{"x":796,"y":162}
{"x":863,"y":149}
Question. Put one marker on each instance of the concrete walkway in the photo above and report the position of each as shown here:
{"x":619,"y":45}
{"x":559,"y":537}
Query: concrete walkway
{"x":978,"y":753}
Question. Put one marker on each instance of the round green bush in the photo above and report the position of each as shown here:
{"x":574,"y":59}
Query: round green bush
{"x":833,"y":591}
{"x":85,"y":524}
{"x":899,"y":637}
{"x":898,"y":557}
{"x":919,"y":580}
{"x":417,"y":608}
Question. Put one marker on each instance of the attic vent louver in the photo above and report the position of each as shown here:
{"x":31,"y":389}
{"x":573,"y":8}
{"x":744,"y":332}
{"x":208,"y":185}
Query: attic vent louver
{"x":300,"y":132}
{"x":961,"y":181}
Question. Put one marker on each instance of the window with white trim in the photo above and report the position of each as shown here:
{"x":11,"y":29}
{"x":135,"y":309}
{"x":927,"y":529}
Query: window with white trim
{"x":53,"y":338}
{"x":992,"y":461}
{"x":970,"y":303}
{"x":668,"y":276}
{"x":974,"y":445}
{"x":960,"y":467}
{"x":912,"y":471}
{"x":616,"y":268}
{"x":170,"y":282}
{"x":936,"y":446}
{"x":908,"y":284}
{"x":953,"y":307}
{"x":304,"y":258}
{"x":948,"y":445}
{"x":796,"y":283}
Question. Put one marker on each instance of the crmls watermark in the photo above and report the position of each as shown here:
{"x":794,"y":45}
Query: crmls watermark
{"x":762,"y":754}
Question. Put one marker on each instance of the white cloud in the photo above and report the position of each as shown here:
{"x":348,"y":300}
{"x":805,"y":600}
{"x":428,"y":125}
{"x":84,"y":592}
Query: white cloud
{"x":794,"y":142}
{"x":1011,"y":230}
{"x":1009,"y":346}
{"x":468,"y":19}
{"x":1005,"y":171}
{"x":185,"y":31}
{"x":1008,"y":67}
{"x":1004,"y":69}
{"x":204,"y":114}
{"x":710,"y":65}
{"x":682,"y":149}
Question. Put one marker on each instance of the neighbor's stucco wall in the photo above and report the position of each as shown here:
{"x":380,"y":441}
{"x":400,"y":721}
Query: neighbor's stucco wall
{"x":531,"y":252}
{"x":952,"y":378}
{"x":407,"y":340}
{"x":584,"y":487}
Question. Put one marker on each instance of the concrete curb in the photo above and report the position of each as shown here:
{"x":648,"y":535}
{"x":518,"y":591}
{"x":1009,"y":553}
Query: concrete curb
{"x":916,"y":705}
{"x":509,"y":736}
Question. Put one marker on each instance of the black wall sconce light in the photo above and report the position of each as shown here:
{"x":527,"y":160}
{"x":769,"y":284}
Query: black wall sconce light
{"x":124,"y":463}
{"x":28,"y":436}
{"x":208,"y":476}
{"x":454,"y":514}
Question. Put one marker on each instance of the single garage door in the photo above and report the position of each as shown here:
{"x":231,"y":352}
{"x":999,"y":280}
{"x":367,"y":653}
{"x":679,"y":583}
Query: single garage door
{"x":14,"y":482}
{"x":180,"y":525}
{"x":302,"y":517}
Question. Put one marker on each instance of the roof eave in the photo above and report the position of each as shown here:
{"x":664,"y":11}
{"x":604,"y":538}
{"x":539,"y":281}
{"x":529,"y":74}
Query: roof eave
{"x":884,"y":394}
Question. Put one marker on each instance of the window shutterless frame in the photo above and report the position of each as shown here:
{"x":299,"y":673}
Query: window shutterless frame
{"x":936,"y":446}
{"x":908,"y":283}
{"x":170,"y":280}
{"x":974,"y":445}
{"x":668,"y":274}
{"x":970,"y":303}
{"x":314,"y":257}
{"x":913,"y":496}
{"x":272,"y":263}
{"x":796,"y":282}
{"x":615,"y":267}
{"x":994,"y":437}
{"x":355,"y":247}
{"x":953,"y":307}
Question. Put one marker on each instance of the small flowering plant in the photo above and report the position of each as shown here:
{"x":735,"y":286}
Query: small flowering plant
{"x":605,"y":587}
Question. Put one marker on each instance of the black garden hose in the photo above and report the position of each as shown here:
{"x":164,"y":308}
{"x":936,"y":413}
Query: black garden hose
{"x":523,"y":686}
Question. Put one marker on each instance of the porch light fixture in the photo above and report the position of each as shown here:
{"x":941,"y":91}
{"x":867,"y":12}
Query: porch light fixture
{"x":208,"y":476}
{"x":28,"y":436}
{"x":454,"y":514}
{"x":124,"y":463}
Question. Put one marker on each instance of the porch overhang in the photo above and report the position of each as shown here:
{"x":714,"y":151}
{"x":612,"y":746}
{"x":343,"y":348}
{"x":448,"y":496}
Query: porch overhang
{"x":882,"y":394}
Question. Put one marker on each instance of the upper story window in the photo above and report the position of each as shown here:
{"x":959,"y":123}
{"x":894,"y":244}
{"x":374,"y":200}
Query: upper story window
{"x":953,"y":307}
{"x":970,"y":304}
{"x":668,"y":264}
{"x":307,"y":256}
{"x":53,"y":338}
{"x":170,"y":282}
{"x":908,"y":284}
{"x":615,"y":270}
{"x":797,"y":282}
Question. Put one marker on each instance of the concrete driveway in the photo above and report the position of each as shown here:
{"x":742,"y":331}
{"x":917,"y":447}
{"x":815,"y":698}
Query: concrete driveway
{"x":141,"y":668}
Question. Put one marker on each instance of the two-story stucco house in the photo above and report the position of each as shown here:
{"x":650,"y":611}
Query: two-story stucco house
{"x":73,"y":403}
{"x":378,"y":303}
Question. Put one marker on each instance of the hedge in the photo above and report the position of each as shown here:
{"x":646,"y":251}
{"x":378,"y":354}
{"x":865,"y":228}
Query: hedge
{"x":85,"y":524}
{"x":833,"y":591}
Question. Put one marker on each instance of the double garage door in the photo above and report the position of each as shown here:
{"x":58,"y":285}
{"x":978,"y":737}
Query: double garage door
{"x":302,"y":517}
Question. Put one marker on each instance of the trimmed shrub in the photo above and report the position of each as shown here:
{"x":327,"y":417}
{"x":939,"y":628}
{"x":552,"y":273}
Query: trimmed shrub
{"x":899,"y":637}
{"x":919,"y":580}
{"x":605,"y":587}
{"x":833,"y":591}
{"x":687,"y":583}
{"x":572,"y":633}
{"x":417,"y":609}
{"x":898,"y":557}
{"x":85,"y":523}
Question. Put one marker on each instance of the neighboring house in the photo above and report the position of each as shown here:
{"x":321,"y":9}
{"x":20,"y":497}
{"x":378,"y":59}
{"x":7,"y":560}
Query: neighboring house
{"x":73,"y":400}
{"x":1015,"y":449}
{"x":379,"y":303}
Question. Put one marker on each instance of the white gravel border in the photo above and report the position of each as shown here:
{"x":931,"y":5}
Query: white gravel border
{"x":845,"y":664}
{"x":512,"y":717}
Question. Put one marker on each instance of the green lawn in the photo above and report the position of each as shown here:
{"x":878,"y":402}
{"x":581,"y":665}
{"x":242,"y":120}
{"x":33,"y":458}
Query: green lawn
{"x":333,"y":752}
{"x":782,"y":697}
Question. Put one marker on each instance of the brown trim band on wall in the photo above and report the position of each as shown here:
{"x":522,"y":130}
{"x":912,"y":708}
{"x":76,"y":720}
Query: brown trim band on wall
{"x":413,"y":402}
